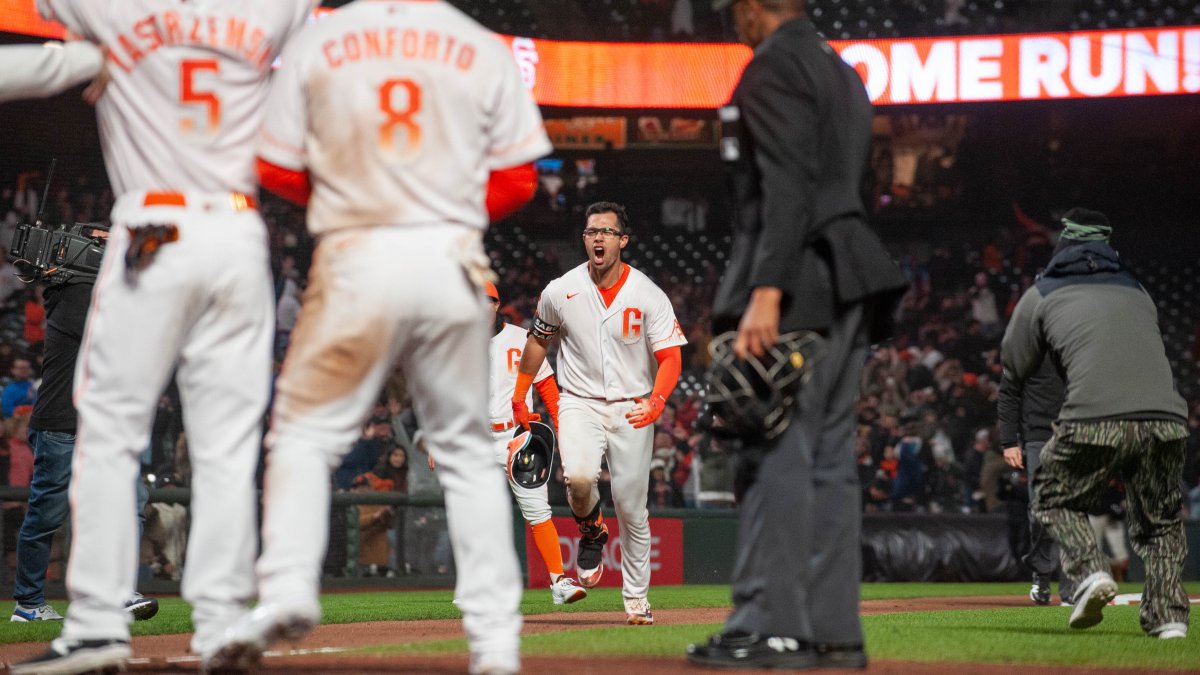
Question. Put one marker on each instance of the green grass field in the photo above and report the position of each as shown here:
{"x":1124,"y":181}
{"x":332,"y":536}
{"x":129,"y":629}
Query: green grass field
{"x":1012,"y":635}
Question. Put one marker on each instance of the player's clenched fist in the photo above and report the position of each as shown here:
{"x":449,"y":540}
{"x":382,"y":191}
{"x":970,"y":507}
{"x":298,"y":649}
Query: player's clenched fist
{"x":522,"y":416}
{"x":646,"y":411}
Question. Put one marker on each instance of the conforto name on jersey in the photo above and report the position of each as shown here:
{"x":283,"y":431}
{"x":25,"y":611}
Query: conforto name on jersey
{"x":170,"y":28}
{"x":389,"y":43}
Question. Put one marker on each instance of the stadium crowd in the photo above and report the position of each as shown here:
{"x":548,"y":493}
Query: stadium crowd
{"x":926,"y":440}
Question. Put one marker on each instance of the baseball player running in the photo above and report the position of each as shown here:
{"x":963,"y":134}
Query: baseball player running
{"x":184,"y":285}
{"x":504,"y":352}
{"x":610,"y":319}
{"x":394,"y":113}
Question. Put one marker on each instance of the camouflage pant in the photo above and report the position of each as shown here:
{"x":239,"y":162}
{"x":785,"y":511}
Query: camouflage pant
{"x":1077,"y":464}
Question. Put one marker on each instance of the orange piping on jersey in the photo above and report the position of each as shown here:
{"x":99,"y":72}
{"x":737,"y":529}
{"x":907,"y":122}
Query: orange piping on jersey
{"x":270,"y":138}
{"x":609,"y":294}
{"x":529,"y":139}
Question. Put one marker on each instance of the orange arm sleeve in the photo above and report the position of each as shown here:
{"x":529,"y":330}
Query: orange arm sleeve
{"x":510,"y":189}
{"x":292,"y":185}
{"x":548,"y":390}
{"x":523,"y":382}
{"x":670,"y":363}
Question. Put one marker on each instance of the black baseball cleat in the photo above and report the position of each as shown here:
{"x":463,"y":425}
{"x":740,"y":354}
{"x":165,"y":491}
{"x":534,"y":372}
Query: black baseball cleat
{"x":141,"y":607}
{"x":751,"y":650}
{"x":590,"y":559}
{"x":68,"y":657}
{"x":841,"y":656}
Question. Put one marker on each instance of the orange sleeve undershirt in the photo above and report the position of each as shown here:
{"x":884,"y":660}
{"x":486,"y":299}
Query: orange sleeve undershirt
{"x":510,"y":189}
{"x":548,"y":390}
{"x":524,"y":380}
{"x":670,"y":363}
{"x":290,"y":184}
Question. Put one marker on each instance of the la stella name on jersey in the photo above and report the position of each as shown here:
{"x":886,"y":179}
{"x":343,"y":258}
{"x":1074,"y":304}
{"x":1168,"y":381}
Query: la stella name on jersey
{"x":170,"y":29}
{"x":388,"y":43}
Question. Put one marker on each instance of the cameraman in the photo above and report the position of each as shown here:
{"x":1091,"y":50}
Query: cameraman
{"x":52,"y":437}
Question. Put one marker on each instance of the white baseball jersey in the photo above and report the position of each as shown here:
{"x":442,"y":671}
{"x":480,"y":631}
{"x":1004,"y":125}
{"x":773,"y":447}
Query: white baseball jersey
{"x":373,"y":100}
{"x":34,"y":71}
{"x":606,"y":352}
{"x":185,"y":100}
{"x":504,"y":354}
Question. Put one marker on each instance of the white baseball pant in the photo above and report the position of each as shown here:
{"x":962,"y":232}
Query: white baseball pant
{"x":533,"y":502}
{"x":377,"y":296}
{"x":589,"y":430}
{"x":205,"y":304}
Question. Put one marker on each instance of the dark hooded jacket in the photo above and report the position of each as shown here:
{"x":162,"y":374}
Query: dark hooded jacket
{"x":1099,"y":327}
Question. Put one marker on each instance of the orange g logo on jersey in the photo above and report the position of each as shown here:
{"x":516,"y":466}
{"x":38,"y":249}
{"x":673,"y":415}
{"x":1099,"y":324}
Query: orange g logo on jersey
{"x":631,"y":325}
{"x":514,"y":359}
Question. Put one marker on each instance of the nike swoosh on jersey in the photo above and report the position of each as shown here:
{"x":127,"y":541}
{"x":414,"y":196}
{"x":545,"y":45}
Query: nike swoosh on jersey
{"x":571,"y":295}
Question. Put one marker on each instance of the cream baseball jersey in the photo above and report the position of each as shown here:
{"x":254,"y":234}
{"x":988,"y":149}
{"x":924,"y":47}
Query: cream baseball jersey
{"x":373,"y":100}
{"x":188,"y":80}
{"x":606,"y":352}
{"x":504,"y":354}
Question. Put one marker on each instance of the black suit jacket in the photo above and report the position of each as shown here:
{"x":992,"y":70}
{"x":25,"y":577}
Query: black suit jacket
{"x":796,"y":140}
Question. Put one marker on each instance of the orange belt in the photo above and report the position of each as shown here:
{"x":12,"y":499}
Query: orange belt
{"x":237,"y":200}
{"x":503,"y":426}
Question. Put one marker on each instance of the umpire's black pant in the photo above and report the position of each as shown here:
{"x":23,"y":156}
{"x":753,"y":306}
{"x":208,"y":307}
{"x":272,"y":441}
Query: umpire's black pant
{"x":799,"y":560}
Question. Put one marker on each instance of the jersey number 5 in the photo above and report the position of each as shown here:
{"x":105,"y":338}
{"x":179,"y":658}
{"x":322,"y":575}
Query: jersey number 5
{"x":188,"y":95}
{"x":400,"y":102}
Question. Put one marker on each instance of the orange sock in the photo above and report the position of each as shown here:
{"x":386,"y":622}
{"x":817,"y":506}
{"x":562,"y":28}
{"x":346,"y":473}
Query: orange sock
{"x":545,"y":537}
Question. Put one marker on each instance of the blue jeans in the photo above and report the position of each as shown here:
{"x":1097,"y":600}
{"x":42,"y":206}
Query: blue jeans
{"x":48,"y":508}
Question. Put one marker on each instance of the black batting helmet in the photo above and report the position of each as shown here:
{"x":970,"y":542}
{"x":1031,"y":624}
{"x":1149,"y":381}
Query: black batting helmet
{"x":531,"y":455}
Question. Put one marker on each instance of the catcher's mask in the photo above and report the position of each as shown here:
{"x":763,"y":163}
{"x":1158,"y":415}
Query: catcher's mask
{"x":531,"y":455}
{"x":753,"y":398}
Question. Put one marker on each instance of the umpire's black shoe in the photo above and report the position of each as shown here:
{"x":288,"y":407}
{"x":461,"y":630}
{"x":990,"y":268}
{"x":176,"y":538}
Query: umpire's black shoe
{"x":751,"y":650}
{"x":840,"y":656}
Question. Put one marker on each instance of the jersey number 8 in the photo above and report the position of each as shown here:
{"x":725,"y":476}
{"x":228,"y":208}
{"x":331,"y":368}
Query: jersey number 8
{"x":400,"y":102}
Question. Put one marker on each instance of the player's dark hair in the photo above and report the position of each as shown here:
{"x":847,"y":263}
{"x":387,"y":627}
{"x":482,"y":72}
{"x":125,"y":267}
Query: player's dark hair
{"x":613,"y":208}
{"x":785,"y":6}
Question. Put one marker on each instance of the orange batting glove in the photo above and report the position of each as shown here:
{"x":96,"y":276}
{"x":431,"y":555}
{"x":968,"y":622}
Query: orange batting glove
{"x":522,"y":416}
{"x":646,"y":411}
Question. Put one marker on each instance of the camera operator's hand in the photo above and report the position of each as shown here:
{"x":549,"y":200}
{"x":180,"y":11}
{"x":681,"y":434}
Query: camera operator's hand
{"x":1013,"y":458}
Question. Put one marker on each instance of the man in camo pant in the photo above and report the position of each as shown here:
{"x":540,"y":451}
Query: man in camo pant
{"x":1122,"y":416}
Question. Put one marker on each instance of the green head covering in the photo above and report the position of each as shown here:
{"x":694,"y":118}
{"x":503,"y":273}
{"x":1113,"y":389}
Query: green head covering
{"x":1085,"y":225}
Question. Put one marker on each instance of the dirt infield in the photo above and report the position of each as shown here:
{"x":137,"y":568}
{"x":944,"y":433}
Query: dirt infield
{"x":321,"y":652}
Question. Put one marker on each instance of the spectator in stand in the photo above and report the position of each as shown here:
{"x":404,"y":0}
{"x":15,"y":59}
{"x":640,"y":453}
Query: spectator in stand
{"x":20,"y":391}
{"x":907,"y":487}
{"x":377,"y":437}
{"x":662,"y":493}
{"x":20,"y":455}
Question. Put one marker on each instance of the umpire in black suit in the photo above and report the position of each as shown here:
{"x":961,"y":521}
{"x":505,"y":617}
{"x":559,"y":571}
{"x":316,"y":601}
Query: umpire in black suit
{"x":796,"y":140}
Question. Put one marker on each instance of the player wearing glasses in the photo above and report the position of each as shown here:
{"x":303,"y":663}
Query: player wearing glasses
{"x":614,"y":327}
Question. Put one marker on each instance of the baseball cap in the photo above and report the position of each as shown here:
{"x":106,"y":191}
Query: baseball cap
{"x":490,"y":290}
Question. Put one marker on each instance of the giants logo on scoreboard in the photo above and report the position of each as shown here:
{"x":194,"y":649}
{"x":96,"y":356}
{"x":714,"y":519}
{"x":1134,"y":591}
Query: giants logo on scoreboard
{"x":525,"y":52}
